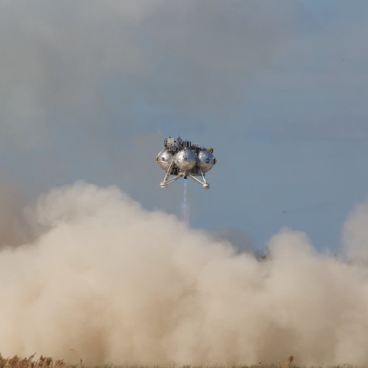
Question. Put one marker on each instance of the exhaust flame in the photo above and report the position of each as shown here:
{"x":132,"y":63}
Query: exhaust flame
{"x":185,"y":204}
{"x":108,"y":282}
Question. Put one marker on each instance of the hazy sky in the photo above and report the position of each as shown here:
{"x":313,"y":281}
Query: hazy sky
{"x":89,"y":89}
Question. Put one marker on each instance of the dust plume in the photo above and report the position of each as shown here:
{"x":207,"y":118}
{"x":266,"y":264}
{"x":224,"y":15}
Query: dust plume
{"x":14,"y":230}
{"x":109,"y":282}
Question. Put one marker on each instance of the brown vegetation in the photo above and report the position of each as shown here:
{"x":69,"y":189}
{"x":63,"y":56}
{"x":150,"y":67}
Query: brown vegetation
{"x":30,"y":362}
{"x":47,"y":362}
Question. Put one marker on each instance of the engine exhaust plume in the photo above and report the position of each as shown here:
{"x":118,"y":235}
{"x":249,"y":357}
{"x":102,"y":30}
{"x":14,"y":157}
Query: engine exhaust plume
{"x":185,"y":205}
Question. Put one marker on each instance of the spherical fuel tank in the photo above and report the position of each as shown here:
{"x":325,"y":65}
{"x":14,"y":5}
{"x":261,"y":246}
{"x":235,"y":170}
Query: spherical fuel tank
{"x":206,"y":160}
{"x":185,"y":159}
{"x":164,"y":159}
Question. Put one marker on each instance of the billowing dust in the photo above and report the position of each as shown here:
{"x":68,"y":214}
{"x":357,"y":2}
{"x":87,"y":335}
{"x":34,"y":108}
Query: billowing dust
{"x":105,"y":280}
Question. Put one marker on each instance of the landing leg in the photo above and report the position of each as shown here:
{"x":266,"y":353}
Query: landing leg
{"x":203,"y":183}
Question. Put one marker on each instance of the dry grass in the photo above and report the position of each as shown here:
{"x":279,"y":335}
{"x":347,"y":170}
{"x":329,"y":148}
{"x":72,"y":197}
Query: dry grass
{"x":30,"y":362}
{"x":47,"y":362}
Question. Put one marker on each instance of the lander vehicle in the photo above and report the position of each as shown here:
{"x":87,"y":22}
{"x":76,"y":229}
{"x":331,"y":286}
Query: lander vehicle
{"x":182,"y":159}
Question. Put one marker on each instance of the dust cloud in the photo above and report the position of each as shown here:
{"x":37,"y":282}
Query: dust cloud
{"x":14,"y":229}
{"x":109,"y":282}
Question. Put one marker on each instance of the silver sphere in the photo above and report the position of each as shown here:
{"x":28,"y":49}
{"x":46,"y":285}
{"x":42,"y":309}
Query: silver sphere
{"x":164,"y":159}
{"x":185,"y":159}
{"x":206,"y":160}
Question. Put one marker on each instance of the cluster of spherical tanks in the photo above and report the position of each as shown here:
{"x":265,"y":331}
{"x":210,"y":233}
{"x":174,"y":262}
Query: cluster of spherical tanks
{"x":182,"y":159}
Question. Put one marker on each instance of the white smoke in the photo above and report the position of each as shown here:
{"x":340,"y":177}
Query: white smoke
{"x":109,"y":282}
{"x":355,"y":235}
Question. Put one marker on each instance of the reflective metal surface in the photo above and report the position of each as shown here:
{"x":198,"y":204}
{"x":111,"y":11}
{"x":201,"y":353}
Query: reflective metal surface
{"x":185,"y":159}
{"x":206,"y":160}
{"x":164,"y":159}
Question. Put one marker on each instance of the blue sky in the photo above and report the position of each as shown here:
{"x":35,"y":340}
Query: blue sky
{"x":89,"y":90}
